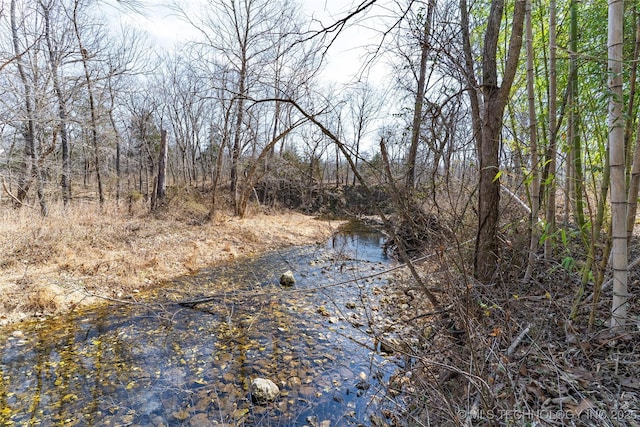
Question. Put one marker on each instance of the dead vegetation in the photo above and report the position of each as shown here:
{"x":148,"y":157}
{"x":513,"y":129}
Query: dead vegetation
{"x":508,"y":353}
{"x":51,"y":264}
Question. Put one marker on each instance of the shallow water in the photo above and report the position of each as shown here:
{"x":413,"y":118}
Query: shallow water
{"x":159,"y":363}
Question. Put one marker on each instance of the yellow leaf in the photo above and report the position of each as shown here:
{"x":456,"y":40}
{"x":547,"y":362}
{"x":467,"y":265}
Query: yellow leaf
{"x":239,"y":413}
{"x":69,"y":397}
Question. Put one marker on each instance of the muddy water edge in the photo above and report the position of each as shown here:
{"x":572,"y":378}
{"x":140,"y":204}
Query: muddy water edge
{"x":167,"y":359}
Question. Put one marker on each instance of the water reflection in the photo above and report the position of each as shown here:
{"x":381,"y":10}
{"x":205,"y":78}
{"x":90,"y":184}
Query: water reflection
{"x":165,"y":364}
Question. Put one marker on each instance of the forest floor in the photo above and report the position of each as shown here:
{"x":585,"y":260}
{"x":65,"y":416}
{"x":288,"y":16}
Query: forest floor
{"x":50,"y":265}
{"x":510,"y":353}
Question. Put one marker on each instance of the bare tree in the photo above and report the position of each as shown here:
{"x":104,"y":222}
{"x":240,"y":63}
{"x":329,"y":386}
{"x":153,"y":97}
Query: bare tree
{"x":489,"y":123}
{"x":363,"y":103}
{"x":31,"y":158}
{"x":86,"y":57}
{"x":161,"y":181}
{"x":56,"y":49}
{"x":425,"y":47}
{"x":242,"y":32}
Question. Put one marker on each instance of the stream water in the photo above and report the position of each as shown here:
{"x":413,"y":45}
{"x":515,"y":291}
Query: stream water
{"x":155,"y":362}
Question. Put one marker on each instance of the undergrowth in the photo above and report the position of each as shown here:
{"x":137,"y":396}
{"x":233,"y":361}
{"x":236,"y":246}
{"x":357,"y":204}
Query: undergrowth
{"x":507,"y":353}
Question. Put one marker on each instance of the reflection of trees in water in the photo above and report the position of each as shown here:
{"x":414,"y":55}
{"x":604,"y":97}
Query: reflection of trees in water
{"x":362,"y":246}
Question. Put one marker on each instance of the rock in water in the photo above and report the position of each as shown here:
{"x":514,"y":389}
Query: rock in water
{"x":264,"y":390}
{"x":287,"y":278}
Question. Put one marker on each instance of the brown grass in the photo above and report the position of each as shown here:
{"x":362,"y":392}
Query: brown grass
{"x":50,"y":264}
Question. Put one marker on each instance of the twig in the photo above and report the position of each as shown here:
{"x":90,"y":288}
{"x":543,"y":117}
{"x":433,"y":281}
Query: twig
{"x":430,"y":313}
{"x":635,"y":263}
{"x":518,"y":340}
{"x":193,"y":303}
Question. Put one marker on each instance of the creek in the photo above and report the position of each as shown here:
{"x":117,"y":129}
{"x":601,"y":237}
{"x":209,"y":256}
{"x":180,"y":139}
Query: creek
{"x":156,"y":362}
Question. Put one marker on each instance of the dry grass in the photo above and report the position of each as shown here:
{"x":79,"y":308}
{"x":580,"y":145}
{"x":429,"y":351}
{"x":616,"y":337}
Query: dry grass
{"x":51,"y":264}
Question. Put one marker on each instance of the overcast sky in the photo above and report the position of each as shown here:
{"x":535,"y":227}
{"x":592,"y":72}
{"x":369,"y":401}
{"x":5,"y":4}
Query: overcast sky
{"x":345,"y":56}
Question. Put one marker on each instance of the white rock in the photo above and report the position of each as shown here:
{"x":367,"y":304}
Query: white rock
{"x":263,"y":389}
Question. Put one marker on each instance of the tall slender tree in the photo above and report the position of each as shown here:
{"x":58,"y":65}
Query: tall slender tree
{"x":495,"y":95}
{"x":425,"y":47}
{"x":55,"y":52}
{"x":617,"y":165}
{"x":85,"y":58}
{"x":576,"y":175}
{"x":551,"y":181}
{"x":533,"y":138}
{"x":31,"y":169}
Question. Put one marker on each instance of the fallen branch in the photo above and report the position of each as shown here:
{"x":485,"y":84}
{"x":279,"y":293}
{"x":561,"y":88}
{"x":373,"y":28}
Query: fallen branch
{"x":515,"y":197}
{"x":194,"y":302}
{"x":518,"y":340}
{"x":13,"y":197}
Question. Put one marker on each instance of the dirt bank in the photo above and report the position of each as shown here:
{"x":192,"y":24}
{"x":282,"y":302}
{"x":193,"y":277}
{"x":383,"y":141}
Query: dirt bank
{"x":52,"y":264}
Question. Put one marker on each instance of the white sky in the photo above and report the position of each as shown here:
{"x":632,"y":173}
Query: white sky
{"x":346,"y":55}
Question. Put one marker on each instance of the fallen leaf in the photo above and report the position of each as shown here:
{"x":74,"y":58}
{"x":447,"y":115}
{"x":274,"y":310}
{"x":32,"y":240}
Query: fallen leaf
{"x":630,"y":382}
{"x":585,"y":405}
{"x":536,"y":390}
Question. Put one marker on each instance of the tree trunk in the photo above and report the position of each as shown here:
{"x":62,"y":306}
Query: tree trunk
{"x":237,"y":139}
{"x":28,"y":128}
{"x":218,"y":166}
{"x":634,"y":179}
{"x":551,"y":181}
{"x":472,"y":84}
{"x":574,"y":124}
{"x":161,"y":185}
{"x":486,"y":249}
{"x":420,"y":93}
{"x":65,"y":180}
{"x":533,"y":136}
{"x":617,"y":165}
{"x":634,"y":187}
{"x":248,"y":186}
{"x":118,"y":159}
{"x":494,"y":99}
{"x":92,"y":104}
{"x":30,"y":165}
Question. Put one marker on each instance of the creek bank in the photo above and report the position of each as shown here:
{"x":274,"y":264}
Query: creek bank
{"x":311,"y":198}
{"x":176,"y":364}
{"x":75,"y":258}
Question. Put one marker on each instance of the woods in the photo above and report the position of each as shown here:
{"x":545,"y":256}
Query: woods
{"x":500,"y":137}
